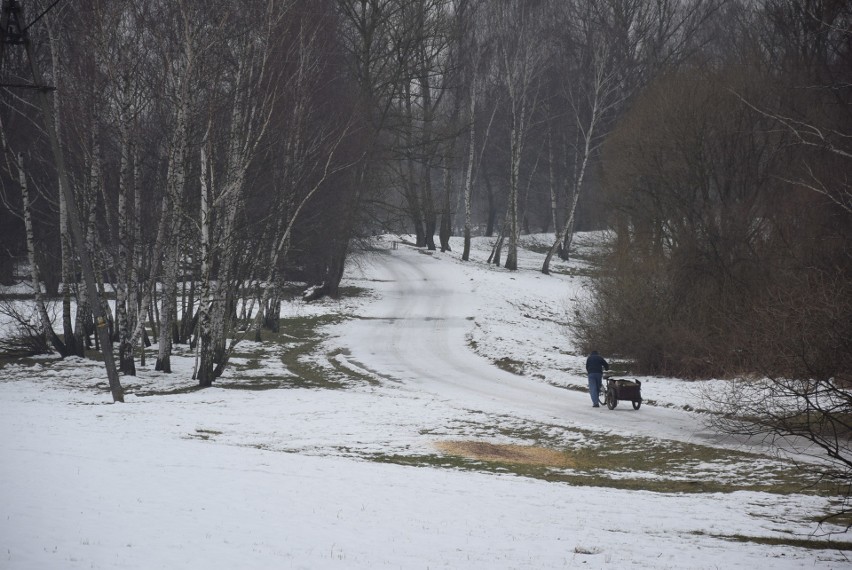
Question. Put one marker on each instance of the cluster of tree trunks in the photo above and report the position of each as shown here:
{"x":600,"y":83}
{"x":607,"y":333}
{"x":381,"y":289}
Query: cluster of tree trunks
{"x":201,"y":143}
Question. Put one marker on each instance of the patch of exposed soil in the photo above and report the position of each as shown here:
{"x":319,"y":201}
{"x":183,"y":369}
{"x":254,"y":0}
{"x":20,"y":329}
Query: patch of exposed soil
{"x":504,"y":453}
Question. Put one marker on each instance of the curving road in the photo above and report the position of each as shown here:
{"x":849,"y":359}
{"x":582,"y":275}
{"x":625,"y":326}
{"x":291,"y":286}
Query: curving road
{"x":415,"y":337}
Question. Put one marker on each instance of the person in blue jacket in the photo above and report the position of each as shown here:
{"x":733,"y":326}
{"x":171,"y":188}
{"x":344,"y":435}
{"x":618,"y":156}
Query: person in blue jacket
{"x":595,"y":366}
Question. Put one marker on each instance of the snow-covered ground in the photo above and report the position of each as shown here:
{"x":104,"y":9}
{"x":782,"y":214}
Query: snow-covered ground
{"x":352,"y":476}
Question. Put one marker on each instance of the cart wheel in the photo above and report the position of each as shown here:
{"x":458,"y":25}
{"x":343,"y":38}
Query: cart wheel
{"x":611,"y":399}
{"x":636,"y":404}
{"x":602,"y":397}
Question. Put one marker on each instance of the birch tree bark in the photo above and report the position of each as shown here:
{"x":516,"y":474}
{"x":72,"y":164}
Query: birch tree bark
{"x":468,"y":178}
{"x":13,"y":163}
{"x":46,"y":325}
{"x":175,"y":183}
{"x":182,"y":72}
{"x":204,"y":372}
{"x":175,"y":189}
{"x":473,"y":163}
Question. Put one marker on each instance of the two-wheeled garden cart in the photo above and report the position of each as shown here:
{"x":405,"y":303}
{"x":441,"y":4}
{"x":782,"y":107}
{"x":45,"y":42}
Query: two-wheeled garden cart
{"x":621,"y":390}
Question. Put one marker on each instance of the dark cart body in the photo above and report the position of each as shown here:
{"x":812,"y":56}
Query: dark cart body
{"x":621,"y":390}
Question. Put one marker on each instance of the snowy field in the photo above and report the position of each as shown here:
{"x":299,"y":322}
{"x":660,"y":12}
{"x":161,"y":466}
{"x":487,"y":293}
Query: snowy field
{"x":350,"y":468}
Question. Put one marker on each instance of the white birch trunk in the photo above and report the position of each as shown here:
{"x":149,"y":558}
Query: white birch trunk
{"x":167,"y":310}
{"x":134,"y":235}
{"x":204,"y":365}
{"x":159,"y":246}
{"x":90,"y":235}
{"x":468,"y":179}
{"x":123,"y":322}
{"x":67,"y":271}
{"x":520,"y":67}
{"x":589,"y":132}
{"x":554,"y":200}
{"x":175,"y":182}
{"x":568,"y":227}
{"x":250,"y":118}
{"x":46,"y":325}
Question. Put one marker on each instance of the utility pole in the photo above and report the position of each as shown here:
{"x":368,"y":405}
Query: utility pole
{"x":12,"y":32}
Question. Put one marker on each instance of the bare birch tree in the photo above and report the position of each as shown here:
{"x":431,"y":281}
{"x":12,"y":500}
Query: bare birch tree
{"x":180,"y":68}
{"x":609,"y":50}
{"x":35,"y":275}
{"x":521,"y":54}
{"x":120,"y":37}
{"x":258,"y":87}
{"x":593,"y":94}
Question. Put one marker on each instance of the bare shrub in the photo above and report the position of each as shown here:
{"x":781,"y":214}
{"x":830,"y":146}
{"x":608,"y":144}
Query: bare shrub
{"x":639,"y":313}
{"x":23,"y":336}
{"x":811,"y":417}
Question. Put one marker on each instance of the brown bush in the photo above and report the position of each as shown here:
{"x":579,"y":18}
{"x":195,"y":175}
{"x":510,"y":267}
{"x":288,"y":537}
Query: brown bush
{"x":722,"y":266}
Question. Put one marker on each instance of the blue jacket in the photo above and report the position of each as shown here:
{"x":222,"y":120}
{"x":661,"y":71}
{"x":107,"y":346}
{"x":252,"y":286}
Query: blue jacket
{"x":596,"y":363}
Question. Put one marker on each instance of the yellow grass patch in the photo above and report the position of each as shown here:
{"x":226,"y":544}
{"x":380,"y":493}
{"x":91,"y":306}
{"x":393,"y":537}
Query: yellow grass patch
{"x":521,"y":454}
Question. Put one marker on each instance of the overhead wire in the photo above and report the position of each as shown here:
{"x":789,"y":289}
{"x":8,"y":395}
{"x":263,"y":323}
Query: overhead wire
{"x":42,"y":15}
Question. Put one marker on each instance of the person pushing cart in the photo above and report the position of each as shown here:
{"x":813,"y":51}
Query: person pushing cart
{"x":595,"y":366}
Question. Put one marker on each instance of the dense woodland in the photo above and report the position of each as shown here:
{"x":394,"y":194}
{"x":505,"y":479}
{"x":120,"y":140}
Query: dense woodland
{"x":217,"y":150}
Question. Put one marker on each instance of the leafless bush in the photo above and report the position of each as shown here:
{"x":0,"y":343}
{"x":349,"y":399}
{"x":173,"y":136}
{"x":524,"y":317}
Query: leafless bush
{"x":22,"y":336}
{"x":803,"y":328}
{"x":811,"y":417}
{"x":802,"y":345}
{"x":639,"y":313}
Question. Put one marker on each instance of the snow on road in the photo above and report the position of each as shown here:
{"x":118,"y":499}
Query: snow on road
{"x":225,"y":478}
{"x":431,"y":304}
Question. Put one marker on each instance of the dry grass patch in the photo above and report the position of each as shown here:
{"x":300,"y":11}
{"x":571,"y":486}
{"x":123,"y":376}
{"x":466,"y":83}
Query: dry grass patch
{"x":518,"y":454}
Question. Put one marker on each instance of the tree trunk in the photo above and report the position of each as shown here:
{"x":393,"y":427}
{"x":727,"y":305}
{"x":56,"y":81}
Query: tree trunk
{"x":47,"y":327}
{"x":124,"y":324}
{"x":135,"y":235}
{"x":168,"y":302}
{"x":468,"y":181}
{"x":204,"y":372}
{"x":430,"y":218}
{"x":68,"y":276}
{"x":446,"y":215}
{"x":76,"y":229}
{"x":512,"y":212}
{"x":568,"y":228}
{"x":554,"y":197}
{"x":148,"y":303}
{"x":492,"y":205}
